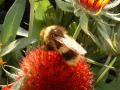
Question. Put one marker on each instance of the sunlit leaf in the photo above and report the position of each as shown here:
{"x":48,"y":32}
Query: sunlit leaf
{"x":22,"y":32}
{"x":64,"y":6}
{"x":17,"y":44}
{"x":12,"y":22}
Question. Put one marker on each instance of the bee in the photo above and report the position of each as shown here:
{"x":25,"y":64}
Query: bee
{"x":56,"y":38}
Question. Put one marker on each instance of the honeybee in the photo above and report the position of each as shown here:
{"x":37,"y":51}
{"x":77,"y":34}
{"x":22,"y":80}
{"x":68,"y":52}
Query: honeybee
{"x":56,"y":38}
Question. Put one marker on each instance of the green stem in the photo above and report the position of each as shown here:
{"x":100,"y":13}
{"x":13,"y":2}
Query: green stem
{"x":31,"y":18}
{"x":77,"y":31}
{"x":103,"y":68}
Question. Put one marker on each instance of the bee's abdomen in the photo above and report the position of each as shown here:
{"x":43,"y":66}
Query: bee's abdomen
{"x":69,"y":55}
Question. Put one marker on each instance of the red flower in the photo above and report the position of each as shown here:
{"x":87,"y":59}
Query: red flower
{"x":46,"y":71}
{"x":94,"y":5}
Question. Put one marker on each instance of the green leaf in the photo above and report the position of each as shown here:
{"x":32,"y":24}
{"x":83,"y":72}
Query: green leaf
{"x":18,"y":84}
{"x":106,"y":70}
{"x":48,"y":20}
{"x":47,"y":7}
{"x":77,"y":31}
{"x":52,"y":20}
{"x":22,"y":32}
{"x":66,"y":19}
{"x":102,"y":81}
{"x":96,"y":55}
{"x":12,"y":22}
{"x":95,"y":69}
{"x":15,"y":57}
{"x":12,"y":75}
{"x":59,"y":13}
{"x":17,"y":44}
{"x":102,"y":29}
{"x":65,"y":6}
{"x":112,"y":86}
{"x":38,"y":23}
{"x":84,"y":25}
{"x":84,"y":22}
{"x":72,"y":27}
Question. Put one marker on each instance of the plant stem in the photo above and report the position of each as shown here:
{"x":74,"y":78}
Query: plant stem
{"x":77,"y":31}
{"x":103,"y":68}
{"x":31,"y":18}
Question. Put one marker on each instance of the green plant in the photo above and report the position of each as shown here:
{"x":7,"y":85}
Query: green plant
{"x":96,"y":29}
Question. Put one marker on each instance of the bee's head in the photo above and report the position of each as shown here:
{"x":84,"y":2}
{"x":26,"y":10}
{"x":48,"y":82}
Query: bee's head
{"x":51,"y":32}
{"x":56,"y":31}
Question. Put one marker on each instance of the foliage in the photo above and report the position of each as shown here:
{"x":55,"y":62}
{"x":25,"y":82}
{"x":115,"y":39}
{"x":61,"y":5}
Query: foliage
{"x":99,"y":34}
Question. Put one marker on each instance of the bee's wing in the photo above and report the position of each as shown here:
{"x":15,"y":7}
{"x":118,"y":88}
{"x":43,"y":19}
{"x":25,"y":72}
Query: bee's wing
{"x":71,"y":44}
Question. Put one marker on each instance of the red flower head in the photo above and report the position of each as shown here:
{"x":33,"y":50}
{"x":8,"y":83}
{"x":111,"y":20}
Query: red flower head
{"x":46,"y":71}
{"x":93,"y":5}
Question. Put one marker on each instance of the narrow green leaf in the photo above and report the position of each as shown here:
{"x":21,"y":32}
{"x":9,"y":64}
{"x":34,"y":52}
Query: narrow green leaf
{"x":12,"y":22}
{"x":48,"y":20}
{"x":84,"y":23}
{"x":106,"y":70}
{"x":72,"y":27}
{"x":65,"y":6}
{"x":38,"y":23}
{"x":59,"y":13}
{"x":77,"y":31}
{"x":12,"y":75}
{"x":115,"y":40}
{"x":66,"y":19}
{"x":14,"y":68}
{"x":17,"y":44}
{"x":18,"y":84}
{"x":102,"y":29}
{"x":111,"y":16}
{"x":94,"y":39}
{"x":95,"y":54}
{"x":102,"y":81}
